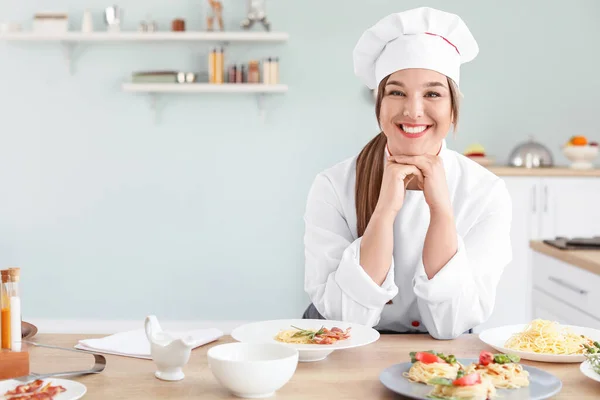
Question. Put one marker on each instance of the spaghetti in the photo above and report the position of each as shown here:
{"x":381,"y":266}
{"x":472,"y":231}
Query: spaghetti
{"x":481,"y":391}
{"x":429,"y":364}
{"x":502,"y":370}
{"x":548,"y":337}
{"x":311,"y":336}
{"x":423,"y":373}
{"x":471,"y":386}
{"x":502,"y":376}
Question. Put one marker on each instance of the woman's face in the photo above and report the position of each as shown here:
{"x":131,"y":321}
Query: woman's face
{"x":416,"y":111}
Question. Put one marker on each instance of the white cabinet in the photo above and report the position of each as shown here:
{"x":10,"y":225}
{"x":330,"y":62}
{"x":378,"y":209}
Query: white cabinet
{"x":543,"y":208}
{"x":568,"y":294}
{"x":516,"y":279}
{"x":570,"y":207}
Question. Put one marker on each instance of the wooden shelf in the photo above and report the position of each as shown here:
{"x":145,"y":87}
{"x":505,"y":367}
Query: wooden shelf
{"x":188,"y":36}
{"x":203,"y":88}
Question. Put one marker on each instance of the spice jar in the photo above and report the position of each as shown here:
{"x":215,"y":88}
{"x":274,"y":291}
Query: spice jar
{"x":178,"y":25}
{"x":253,"y":72}
{"x":5,"y":294}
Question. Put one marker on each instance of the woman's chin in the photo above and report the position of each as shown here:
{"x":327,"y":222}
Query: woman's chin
{"x":414,"y":148}
{"x":411,"y":149}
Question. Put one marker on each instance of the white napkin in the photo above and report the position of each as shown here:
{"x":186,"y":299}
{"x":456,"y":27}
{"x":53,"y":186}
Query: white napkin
{"x":136,"y":344}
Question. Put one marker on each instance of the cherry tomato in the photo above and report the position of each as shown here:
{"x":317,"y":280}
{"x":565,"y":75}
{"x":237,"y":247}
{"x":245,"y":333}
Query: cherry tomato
{"x":428,"y":358}
{"x":468,"y":380}
{"x":485,"y":358}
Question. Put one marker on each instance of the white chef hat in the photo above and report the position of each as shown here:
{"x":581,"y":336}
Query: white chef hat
{"x":419,"y":38}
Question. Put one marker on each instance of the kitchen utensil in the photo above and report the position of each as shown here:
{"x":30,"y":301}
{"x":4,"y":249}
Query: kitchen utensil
{"x":99,"y":364}
{"x":253,"y":370}
{"x":585,"y":242}
{"x":170,"y":354}
{"x":28,"y":330}
{"x":264,"y":332}
{"x":542,"y":385}
{"x":531,"y":154}
{"x":113,"y":16}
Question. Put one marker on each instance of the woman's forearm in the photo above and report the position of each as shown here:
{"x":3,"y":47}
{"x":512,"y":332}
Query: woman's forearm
{"x":440,"y":242}
{"x":377,"y":246}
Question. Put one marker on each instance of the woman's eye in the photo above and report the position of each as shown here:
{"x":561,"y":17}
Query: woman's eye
{"x":395,"y":93}
{"x":433,"y":94}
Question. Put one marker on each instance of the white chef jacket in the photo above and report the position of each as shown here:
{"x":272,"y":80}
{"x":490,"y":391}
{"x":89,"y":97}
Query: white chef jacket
{"x":459,"y":297}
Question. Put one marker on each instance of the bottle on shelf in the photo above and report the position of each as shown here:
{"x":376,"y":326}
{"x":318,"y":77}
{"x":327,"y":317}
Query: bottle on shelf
{"x":274,"y":71}
{"x":253,"y":72}
{"x":15,"y":309}
{"x":266,"y":72}
{"x":5,"y":289}
{"x":212,"y":66}
{"x":219,"y":66}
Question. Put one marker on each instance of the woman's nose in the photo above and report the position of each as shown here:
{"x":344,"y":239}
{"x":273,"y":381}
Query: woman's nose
{"x":413,"y":108}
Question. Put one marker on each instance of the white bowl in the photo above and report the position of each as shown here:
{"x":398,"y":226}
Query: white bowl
{"x":253,"y":370}
{"x":581,"y":157}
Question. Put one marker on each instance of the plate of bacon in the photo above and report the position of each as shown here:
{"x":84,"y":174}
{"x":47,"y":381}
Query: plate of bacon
{"x":42,"y":389}
{"x":314,"y":339}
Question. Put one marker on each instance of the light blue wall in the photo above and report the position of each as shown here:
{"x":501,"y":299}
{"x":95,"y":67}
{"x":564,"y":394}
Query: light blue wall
{"x":200,"y":216}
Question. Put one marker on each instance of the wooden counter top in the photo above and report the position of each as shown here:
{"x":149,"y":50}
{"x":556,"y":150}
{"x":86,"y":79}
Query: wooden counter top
{"x":554,"y":171}
{"x":585,"y":259}
{"x":345,"y":374}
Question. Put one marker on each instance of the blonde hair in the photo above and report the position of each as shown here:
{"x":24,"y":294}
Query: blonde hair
{"x":369,"y":164}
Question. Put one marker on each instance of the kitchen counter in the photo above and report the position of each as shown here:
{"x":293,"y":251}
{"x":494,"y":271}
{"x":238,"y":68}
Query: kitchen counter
{"x":588,"y":260}
{"x":501,"y":170}
{"x":345,"y":374}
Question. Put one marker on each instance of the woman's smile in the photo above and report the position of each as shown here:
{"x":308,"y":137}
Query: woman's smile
{"x":413,"y":131}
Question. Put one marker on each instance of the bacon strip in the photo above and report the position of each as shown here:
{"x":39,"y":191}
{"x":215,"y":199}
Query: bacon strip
{"x":26,"y":388}
{"x":331,"y":336}
{"x":32,"y":391}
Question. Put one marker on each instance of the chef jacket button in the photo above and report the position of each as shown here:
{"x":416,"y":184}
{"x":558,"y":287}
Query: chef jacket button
{"x":390,"y":302}
{"x":416,"y":324}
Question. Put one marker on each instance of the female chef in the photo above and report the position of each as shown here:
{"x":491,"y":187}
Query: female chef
{"x":409,"y":236}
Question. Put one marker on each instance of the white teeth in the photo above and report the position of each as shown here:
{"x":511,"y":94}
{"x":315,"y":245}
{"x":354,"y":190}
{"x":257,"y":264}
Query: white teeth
{"x":416,"y":129}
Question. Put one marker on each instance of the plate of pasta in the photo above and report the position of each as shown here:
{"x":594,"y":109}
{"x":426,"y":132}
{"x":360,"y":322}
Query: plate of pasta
{"x":543,"y":340}
{"x":314,"y":339}
{"x":591,"y":366}
{"x":432,"y":375}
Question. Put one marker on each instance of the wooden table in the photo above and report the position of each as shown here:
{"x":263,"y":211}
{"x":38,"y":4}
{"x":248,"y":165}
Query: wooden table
{"x":584,"y":259}
{"x":345,"y":374}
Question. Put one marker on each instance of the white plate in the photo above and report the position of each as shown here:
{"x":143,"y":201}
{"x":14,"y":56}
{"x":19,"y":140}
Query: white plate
{"x":587,"y":370}
{"x":75,"y":390}
{"x":496,"y":337}
{"x":265,"y":332}
{"x":542,"y":385}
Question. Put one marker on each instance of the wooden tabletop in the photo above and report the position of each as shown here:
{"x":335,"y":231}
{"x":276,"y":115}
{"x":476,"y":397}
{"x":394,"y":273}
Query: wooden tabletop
{"x":345,"y":374}
{"x":585,"y":259}
{"x":502,"y":170}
